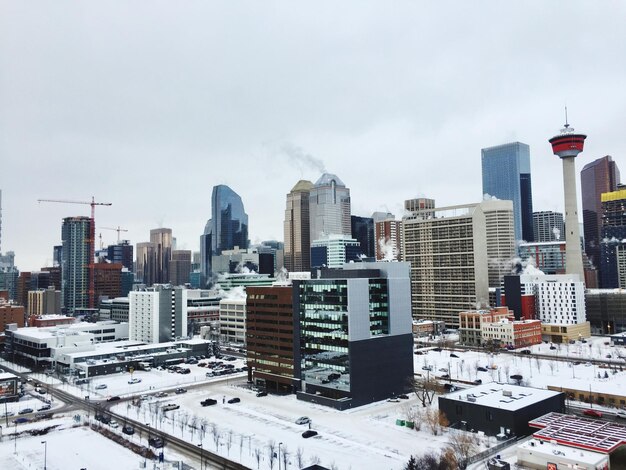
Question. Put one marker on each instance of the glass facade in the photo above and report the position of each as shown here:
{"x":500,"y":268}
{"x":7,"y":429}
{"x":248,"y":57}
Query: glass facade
{"x":379,"y":307}
{"x":363,"y":232}
{"x":227,"y":228}
{"x":324,"y":333}
{"x":506,"y":175}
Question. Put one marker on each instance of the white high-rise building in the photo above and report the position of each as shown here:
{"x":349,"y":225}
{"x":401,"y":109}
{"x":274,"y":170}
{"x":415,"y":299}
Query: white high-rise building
{"x":233,"y":321}
{"x":329,"y":208}
{"x":157,"y":314}
{"x":560,"y":298}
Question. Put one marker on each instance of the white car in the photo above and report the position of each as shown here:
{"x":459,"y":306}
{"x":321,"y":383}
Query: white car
{"x":134,"y":381}
{"x":114,"y":424}
{"x":303,"y":420}
{"x":621,"y":414}
{"x":101,"y":386}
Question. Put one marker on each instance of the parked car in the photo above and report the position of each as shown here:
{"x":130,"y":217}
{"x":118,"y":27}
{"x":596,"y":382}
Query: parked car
{"x":44,"y":408}
{"x":25,"y":411}
{"x":105,"y":419}
{"x":40,"y":390}
{"x":170,"y":407}
{"x":208,"y":402}
{"x":481,"y":369}
{"x":444,"y":376}
{"x":552,"y":347}
{"x":8,"y":413}
{"x":525,"y":351}
{"x":160,"y":394}
{"x":403,"y":396}
{"x":393,"y":400}
{"x":303,"y":420}
{"x":135,"y":380}
{"x":309,"y":433}
{"x":234,"y":400}
{"x":453,"y":355}
{"x":114,"y":424}
{"x":261,"y":394}
{"x":155,"y":442}
{"x":128,"y":429}
{"x":184,"y":371}
{"x":181,"y":390}
{"x":101,"y":386}
{"x":21,"y":420}
{"x":477,"y":382}
{"x":418,"y":353}
{"x":427,"y":368}
{"x":621,"y":414}
{"x":593,"y":413}
{"x":113,"y":398}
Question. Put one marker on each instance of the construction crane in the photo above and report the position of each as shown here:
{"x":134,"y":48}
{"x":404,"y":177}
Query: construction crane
{"x":90,"y":241}
{"x":118,"y":230}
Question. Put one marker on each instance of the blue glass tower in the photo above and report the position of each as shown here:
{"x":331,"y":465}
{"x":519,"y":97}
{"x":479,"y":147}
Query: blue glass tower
{"x":227,"y":228}
{"x":506,"y":175}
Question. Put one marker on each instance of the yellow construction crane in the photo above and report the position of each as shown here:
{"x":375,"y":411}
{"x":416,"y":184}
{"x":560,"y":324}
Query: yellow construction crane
{"x":118,"y":230}
{"x":90,"y":240}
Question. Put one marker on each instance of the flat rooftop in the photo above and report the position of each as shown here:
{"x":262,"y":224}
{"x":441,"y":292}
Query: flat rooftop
{"x":497,"y":396}
{"x":583,"y":433}
{"x":554,"y":451}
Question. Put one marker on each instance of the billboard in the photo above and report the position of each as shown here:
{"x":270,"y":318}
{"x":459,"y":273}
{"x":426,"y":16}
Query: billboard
{"x":8,"y":387}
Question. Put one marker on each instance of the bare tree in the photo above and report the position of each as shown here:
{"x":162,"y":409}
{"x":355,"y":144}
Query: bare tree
{"x":424,"y":389}
{"x":257,"y":456}
{"x":193,"y":426}
{"x":285,"y":456}
{"x":271,"y":452}
{"x":507,"y":371}
{"x":435,"y":420}
{"x":538,"y":364}
{"x":183,"y":420}
{"x":240,"y":445}
{"x":204,"y":424}
{"x":315,"y":460}
{"x":229,"y":441}
{"x":464,"y":445}
{"x":300,"y":457}
{"x":215,"y":432}
{"x":552,"y":366}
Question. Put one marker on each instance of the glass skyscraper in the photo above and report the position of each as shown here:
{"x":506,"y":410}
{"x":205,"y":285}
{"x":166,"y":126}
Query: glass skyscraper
{"x":506,"y":175}
{"x":227,"y":228}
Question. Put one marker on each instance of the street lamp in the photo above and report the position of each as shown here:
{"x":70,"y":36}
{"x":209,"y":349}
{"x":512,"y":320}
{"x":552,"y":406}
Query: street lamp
{"x":45,"y":454}
{"x":201,"y":456}
{"x":279,"y":444}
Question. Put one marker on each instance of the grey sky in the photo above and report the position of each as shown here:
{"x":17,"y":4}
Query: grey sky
{"x":148,"y":105}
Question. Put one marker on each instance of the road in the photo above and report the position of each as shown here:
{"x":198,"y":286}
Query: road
{"x":195,"y":453}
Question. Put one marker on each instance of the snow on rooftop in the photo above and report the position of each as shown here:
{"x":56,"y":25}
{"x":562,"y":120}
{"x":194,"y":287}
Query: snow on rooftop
{"x":507,"y":397}
{"x":552,"y":450}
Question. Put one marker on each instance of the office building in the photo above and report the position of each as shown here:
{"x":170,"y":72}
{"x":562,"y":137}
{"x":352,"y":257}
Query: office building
{"x":227,"y":228}
{"x":511,"y":333}
{"x":598,"y":177}
{"x":76,"y":286}
{"x":420,"y":204}
{"x":158,"y":314}
{"x":506,"y":175}
{"x":161,"y":239}
{"x":355,"y":342}
{"x":108,"y":280}
{"x":145,"y":265}
{"x":233,"y":321}
{"x":388,"y":233}
{"x":548,"y":226}
{"x":57,"y":255}
{"x":606,"y":310}
{"x":270,"y":326}
{"x":44,"y":302}
{"x":10,"y":313}
{"x":363,"y":232}
{"x":115,"y":309}
{"x":613,"y":241}
{"x":471,"y":323}
{"x":455,"y":255}
{"x":333,"y":251}
{"x":8,"y":281}
{"x":548,"y":257}
{"x":180,"y":267}
{"x":329,"y":208}
{"x":122,"y":253}
{"x":297,"y":228}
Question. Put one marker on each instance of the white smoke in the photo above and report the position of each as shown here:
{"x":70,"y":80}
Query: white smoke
{"x":489,"y":197}
{"x":387,"y":249}
{"x":557,"y":233}
{"x":300,"y":158}
{"x":243,"y":269}
{"x":236,"y":293}
{"x":527,"y":266}
{"x":282,"y":275}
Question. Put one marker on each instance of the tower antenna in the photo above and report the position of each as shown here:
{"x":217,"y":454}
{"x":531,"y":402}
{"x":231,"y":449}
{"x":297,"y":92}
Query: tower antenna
{"x":566,"y":123}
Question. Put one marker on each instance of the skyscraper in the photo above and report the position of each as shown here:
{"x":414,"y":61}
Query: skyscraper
{"x":227,"y":228}
{"x":297,"y":230}
{"x":388,"y":233}
{"x":180,"y":267}
{"x":329,"y":207}
{"x":506,"y":175}
{"x":122,"y":252}
{"x":76,"y":258}
{"x":548,"y":226}
{"x":613,"y":240}
{"x":363,"y":232}
{"x":597,"y":177}
{"x":161,"y":238}
{"x":145,"y":264}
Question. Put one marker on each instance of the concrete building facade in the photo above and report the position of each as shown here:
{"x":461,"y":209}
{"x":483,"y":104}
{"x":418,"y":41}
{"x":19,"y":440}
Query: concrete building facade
{"x":297,"y":228}
{"x":329,"y":208}
{"x":158,"y":314}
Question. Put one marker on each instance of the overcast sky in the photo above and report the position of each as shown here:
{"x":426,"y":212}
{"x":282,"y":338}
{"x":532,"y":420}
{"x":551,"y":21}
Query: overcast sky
{"x":150,"y":104}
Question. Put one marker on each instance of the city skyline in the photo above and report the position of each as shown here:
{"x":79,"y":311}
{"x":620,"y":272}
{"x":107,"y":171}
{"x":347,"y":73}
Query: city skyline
{"x":261,"y":100}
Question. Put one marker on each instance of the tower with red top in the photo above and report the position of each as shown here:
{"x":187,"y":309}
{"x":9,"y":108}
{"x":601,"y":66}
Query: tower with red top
{"x":567,"y":145}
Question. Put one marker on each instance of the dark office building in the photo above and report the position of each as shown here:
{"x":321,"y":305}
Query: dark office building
{"x":180,"y":267}
{"x":121,"y":253}
{"x":597,"y":177}
{"x":108,"y":280}
{"x":606,"y":310}
{"x":498,"y":409}
{"x":270,"y":330}
{"x":363,"y":232}
{"x":613,"y":242}
{"x":356,"y":341}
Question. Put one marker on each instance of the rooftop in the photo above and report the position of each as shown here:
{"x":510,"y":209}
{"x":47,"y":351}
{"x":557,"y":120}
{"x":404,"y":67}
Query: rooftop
{"x":506,"y":397}
{"x":571,"y":453}
{"x":327,"y":178}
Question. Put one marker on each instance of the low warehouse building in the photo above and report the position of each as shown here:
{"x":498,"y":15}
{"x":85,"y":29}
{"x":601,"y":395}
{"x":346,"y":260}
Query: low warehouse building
{"x":499,"y":409}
